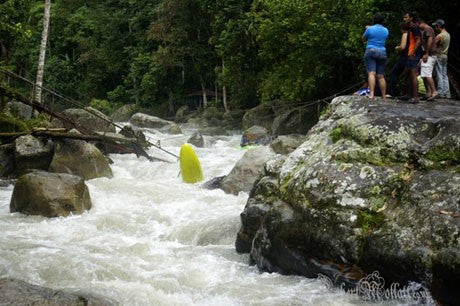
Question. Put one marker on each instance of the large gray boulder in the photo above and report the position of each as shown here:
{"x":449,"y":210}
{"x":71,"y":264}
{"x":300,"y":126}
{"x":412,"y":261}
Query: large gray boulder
{"x":19,"y":109}
{"x":375,"y":186}
{"x":285,"y":144}
{"x":247,"y":170}
{"x":261,"y":115}
{"x":50,"y":194}
{"x":255,"y":135}
{"x":147,"y":121}
{"x":81,"y":158}
{"x":32,"y":153}
{"x":7,"y":164}
{"x":17,"y":292}
{"x":89,"y":118}
{"x":295,"y":121}
{"x":124,"y":113}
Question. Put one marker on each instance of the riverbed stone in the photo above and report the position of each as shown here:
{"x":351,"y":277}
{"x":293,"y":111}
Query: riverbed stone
{"x":375,"y":186}
{"x":196,"y":139}
{"x":18,"y":292}
{"x":50,"y":194}
{"x":255,"y":135}
{"x":88,"y":118}
{"x":285,"y":144}
{"x":32,"y":153}
{"x":247,"y":170}
{"x":81,"y":158}
{"x":124,"y":113}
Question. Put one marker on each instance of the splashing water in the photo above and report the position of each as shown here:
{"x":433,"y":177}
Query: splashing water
{"x":151,"y":239}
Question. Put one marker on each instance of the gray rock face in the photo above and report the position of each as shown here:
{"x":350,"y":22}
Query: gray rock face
{"x":89,"y":118}
{"x":375,"y":186}
{"x":7,"y":163}
{"x":50,"y":194}
{"x":19,"y":109}
{"x":80,"y":158}
{"x":261,"y":115}
{"x":32,"y":153}
{"x":255,"y":135}
{"x":147,"y":121}
{"x":295,"y":121}
{"x":196,"y":139}
{"x":16,"y":292}
{"x":285,"y":144}
{"x":124,"y":113}
{"x":247,"y":170}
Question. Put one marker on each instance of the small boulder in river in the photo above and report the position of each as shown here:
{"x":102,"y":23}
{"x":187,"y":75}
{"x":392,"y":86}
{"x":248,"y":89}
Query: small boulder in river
{"x":81,"y":158}
{"x":50,"y":194}
{"x":89,"y":118}
{"x":247,"y":170}
{"x":196,"y":139}
{"x":17,"y":292}
{"x":255,"y":135}
{"x":32,"y":153}
{"x":147,"y":121}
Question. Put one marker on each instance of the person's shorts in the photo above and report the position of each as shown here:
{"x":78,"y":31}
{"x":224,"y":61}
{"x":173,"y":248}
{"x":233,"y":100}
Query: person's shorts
{"x":412,"y":62}
{"x":376,"y":60}
{"x":426,"y":70}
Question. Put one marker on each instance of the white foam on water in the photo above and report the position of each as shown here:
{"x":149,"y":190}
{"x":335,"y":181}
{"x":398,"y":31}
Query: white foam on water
{"x":151,"y":239}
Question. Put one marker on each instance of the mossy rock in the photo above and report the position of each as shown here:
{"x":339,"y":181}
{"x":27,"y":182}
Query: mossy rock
{"x":11,"y":125}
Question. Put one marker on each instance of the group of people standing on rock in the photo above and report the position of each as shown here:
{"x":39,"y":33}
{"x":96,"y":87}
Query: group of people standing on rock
{"x":421,"y":52}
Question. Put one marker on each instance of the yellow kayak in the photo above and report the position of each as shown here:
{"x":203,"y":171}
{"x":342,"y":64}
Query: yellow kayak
{"x":190,"y":166}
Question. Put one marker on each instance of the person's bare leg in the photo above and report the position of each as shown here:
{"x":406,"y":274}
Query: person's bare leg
{"x":432,"y":87}
{"x":413,"y":83}
{"x":371,"y":81}
{"x":427,"y":87}
{"x":382,"y":85}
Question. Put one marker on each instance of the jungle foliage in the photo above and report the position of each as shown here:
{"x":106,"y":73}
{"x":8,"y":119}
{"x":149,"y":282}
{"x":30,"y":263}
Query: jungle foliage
{"x":155,"y":53}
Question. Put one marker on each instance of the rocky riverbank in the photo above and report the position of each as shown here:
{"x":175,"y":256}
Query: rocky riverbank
{"x":374,"y":187}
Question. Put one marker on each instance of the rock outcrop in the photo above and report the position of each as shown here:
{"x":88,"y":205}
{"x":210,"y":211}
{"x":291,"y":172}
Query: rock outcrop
{"x":32,"y":153}
{"x":87,"y":117}
{"x":50,"y":194}
{"x":147,"y":121}
{"x":375,"y":186}
{"x":247,"y":170}
{"x":81,"y":158}
{"x":17,"y":292}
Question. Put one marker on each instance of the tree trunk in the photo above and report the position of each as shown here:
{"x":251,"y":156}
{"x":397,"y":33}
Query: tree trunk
{"x":41,"y":58}
{"x":205,"y":98}
{"x":224,"y":92}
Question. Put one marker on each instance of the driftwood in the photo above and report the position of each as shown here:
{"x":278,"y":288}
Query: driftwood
{"x":126,"y":145}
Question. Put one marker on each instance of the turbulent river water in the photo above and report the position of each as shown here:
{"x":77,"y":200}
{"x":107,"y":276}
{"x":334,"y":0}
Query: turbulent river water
{"x":151,"y":239}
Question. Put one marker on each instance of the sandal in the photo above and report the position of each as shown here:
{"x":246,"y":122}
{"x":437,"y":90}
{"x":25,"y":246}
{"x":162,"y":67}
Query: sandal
{"x":413,"y":100}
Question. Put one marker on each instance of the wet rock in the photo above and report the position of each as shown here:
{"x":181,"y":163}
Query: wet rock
{"x":247,"y":170}
{"x":261,"y":115}
{"x":89,"y":118}
{"x":19,"y":109}
{"x":17,"y":292}
{"x":196,"y":139}
{"x":285,"y":144}
{"x":50,"y":194}
{"x":7,"y":164}
{"x":375,"y":185}
{"x":255,"y":135}
{"x":81,"y":158}
{"x":32,"y":153}
{"x":214,"y":183}
{"x":295,"y":121}
{"x":147,"y":121}
{"x":124,"y":113}
{"x":182,"y":114}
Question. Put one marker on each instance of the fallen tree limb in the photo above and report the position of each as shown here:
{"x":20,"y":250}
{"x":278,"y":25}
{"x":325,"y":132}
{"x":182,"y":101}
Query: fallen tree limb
{"x":126,"y":146}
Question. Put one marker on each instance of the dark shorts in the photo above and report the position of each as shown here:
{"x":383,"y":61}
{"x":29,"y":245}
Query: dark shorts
{"x":376,"y":60}
{"x":412,"y":63}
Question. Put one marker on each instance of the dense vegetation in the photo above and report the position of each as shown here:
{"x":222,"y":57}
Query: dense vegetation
{"x":155,"y":53}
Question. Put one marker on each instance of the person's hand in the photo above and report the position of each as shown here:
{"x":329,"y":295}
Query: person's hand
{"x":398,"y":49}
{"x":367,"y":26}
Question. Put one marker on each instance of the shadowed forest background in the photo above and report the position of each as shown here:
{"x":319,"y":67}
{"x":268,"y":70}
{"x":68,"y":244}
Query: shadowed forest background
{"x":158,"y":53}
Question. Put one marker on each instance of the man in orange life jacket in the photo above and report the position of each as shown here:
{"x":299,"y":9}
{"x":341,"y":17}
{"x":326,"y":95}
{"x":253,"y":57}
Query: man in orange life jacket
{"x":414,"y":53}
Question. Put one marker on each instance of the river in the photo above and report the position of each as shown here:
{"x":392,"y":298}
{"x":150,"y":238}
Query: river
{"x":151,"y":239}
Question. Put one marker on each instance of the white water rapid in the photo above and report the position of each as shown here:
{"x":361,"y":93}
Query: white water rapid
{"x":151,"y":239}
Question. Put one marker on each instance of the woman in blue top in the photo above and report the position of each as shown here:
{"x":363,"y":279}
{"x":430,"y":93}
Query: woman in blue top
{"x":376,"y":54}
